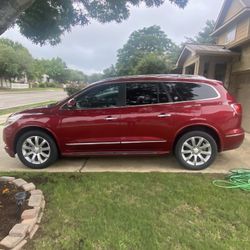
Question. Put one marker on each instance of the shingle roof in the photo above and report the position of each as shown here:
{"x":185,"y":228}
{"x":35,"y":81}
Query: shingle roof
{"x":204,"y":49}
{"x":217,"y":49}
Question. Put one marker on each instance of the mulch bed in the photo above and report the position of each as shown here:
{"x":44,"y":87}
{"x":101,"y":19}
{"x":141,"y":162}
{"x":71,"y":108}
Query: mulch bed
{"x":8,"y":208}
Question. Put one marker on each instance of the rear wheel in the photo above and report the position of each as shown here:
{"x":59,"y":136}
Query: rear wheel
{"x":196,"y":150}
{"x":36,"y":149}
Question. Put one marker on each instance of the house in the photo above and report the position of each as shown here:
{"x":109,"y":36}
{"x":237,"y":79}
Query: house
{"x":229,"y":59}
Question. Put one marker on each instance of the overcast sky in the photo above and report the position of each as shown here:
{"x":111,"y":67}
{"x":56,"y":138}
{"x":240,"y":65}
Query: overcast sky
{"x":93,"y":48}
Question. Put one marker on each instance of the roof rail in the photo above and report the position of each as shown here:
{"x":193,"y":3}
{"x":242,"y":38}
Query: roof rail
{"x":153,"y":75}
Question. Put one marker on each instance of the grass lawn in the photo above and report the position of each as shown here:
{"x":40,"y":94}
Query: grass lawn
{"x":20,"y":108}
{"x":140,"y":211}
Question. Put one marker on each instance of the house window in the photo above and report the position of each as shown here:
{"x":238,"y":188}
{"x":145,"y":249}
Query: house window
{"x":231,"y":34}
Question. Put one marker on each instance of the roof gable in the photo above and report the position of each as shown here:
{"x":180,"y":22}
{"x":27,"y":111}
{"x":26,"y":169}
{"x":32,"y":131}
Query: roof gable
{"x":230,"y":9}
{"x":203,"y":49}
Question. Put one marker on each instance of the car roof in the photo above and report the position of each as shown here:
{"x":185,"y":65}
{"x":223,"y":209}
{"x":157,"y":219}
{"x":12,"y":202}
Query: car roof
{"x":159,"y":77}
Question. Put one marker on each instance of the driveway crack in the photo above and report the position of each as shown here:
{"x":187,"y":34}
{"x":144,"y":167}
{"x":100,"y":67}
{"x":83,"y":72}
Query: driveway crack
{"x":83,"y":165}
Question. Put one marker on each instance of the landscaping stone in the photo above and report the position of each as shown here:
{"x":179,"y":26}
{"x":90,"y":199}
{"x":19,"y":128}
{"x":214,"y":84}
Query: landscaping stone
{"x":40,"y":218}
{"x":25,"y":230}
{"x":19,"y":182}
{"x":35,"y":200}
{"x":29,"y":187}
{"x":7,"y":178}
{"x":20,"y":245}
{"x":32,"y":233}
{"x":10,"y":241}
{"x":36,"y":192}
{"x":43,"y":204}
{"x":19,"y":230}
{"x":31,"y":223}
{"x":30,"y":214}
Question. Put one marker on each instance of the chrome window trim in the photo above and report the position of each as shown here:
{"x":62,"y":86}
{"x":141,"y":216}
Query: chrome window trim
{"x":152,"y":81}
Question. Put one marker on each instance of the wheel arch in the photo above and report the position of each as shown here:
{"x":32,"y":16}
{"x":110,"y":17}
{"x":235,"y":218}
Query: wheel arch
{"x":30,"y":128}
{"x":199,"y":127}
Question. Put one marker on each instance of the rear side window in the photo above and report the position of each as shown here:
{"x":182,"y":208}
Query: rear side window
{"x":141,"y":93}
{"x":191,"y":91}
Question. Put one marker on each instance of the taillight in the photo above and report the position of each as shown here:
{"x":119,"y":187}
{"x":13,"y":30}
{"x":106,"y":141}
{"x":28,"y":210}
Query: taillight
{"x":237,"y":108}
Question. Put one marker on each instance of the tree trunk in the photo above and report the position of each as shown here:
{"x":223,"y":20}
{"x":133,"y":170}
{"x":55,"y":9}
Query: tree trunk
{"x":10,"y":10}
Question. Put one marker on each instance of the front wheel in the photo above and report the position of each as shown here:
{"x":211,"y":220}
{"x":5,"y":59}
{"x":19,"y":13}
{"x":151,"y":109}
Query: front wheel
{"x":196,"y":150}
{"x":36,"y":149}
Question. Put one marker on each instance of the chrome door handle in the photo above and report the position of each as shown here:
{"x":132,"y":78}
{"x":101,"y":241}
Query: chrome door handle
{"x":110,"y":118}
{"x":164,"y":115}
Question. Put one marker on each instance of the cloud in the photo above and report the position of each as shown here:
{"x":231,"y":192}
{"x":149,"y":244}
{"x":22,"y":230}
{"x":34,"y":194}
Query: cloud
{"x":93,"y":48}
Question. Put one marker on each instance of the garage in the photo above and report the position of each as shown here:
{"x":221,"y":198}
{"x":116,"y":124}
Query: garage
{"x":241,"y":88}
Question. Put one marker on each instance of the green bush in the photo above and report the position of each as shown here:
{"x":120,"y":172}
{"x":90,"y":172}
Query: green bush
{"x":73,"y":88}
{"x":51,"y":84}
{"x":42,"y":85}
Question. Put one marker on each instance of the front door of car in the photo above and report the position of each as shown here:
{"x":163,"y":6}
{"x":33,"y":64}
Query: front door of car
{"x":146,"y":122}
{"x":94,"y":124}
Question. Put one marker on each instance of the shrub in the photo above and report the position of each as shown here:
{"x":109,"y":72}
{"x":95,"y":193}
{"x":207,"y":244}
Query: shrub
{"x":73,"y":88}
{"x":51,"y":84}
{"x":42,"y":85}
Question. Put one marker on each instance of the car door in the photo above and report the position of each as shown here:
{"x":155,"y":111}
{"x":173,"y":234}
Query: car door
{"x":146,"y":123}
{"x":94,"y":124}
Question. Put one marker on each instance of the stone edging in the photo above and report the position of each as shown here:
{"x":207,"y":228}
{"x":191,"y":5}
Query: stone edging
{"x":30,"y":218}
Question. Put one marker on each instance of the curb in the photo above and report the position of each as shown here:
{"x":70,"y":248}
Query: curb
{"x":30,"y":218}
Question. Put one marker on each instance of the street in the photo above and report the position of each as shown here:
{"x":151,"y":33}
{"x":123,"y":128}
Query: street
{"x":10,"y":99}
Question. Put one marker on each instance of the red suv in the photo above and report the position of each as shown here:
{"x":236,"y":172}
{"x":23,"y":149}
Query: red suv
{"x":192,"y":116}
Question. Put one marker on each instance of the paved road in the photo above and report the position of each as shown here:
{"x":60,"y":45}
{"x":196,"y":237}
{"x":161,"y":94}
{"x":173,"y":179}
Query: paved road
{"x":13,"y":99}
{"x":239,"y":158}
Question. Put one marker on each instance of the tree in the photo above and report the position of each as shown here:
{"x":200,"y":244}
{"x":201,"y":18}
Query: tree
{"x":46,"y":20}
{"x":76,"y":76}
{"x":110,"y":72}
{"x":15,"y":60}
{"x":203,"y":36}
{"x":151,"y":40}
{"x":153,"y":64}
{"x":95,"y":77}
{"x":56,"y":69}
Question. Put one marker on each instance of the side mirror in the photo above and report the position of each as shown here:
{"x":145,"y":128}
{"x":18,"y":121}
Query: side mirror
{"x":71,"y":103}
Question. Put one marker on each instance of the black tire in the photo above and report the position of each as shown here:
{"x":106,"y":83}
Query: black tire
{"x":208,"y":140}
{"x":53,"y":149}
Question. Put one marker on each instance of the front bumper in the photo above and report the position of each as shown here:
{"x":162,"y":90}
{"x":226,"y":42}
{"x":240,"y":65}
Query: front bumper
{"x":8,"y":138}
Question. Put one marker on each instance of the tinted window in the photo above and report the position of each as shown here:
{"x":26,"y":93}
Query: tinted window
{"x":165,"y":93}
{"x":191,"y":91}
{"x":141,"y":93}
{"x":100,"y":97}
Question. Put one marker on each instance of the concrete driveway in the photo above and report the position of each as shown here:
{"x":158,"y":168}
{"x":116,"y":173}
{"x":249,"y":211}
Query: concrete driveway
{"x":239,"y":158}
{"x":14,"y":99}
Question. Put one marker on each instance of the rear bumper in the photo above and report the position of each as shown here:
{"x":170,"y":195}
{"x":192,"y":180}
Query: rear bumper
{"x":234,"y":139}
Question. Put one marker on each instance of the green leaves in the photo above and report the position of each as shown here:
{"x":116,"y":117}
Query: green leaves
{"x":204,"y":36}
{"x":150,"y":43}
{"x":14,"y":59}
{"x":47,"y":20}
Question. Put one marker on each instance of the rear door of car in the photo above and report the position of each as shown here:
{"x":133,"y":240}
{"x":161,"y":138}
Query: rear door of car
{"x":146,"y":124}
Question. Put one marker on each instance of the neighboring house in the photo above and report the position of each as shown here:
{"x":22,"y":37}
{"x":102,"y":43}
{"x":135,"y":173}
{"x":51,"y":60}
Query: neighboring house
{"x":229,"y":59}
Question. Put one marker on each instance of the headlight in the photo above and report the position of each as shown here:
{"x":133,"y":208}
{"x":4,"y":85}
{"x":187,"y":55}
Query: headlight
{"x":11,"y":119}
